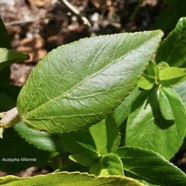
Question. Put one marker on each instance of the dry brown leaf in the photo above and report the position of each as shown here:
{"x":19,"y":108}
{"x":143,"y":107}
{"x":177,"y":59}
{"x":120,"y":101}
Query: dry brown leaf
{"x":39,"y":3}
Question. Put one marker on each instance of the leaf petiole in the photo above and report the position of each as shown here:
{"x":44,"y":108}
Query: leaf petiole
{"x":8,"y":119}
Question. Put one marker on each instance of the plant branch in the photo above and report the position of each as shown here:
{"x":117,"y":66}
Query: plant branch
{"x":9,"y":118}
{"x":21,"y":22}
{"x":76,"y":12}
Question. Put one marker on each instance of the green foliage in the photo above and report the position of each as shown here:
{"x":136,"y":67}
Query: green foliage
{"x":172,"y":49}
{"x":97,"y":74}
{"x":114,"y":105}
{"x":39,"y":139}
{"x":68,"y":179}
{"x":151,"y":127}
{"x":8,"y":56}
{"x":145,"y":164}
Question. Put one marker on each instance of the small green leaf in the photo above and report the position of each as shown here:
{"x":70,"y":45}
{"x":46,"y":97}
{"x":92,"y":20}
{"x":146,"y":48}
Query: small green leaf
{"x":152,"y":69}
{"x":81,"y":145}
{"x":106,"y":136}
{"x":78,"y":84}
{"x":146,"y":82}
{"x":85,"y":158}
{"x":69,"y":179}
{"x":149,"y":78}
{"x":150,"y":166}
{"x":78,"y":142}
{"x":123,"y":110}
{"x":109,"y":164}
{"x":9,"y":56}
{"x":163,"y":64}
{"x":173,"y":48}
{"x":164,"y":95}
{"x":171,"y":76}
{"x":148,"y":129}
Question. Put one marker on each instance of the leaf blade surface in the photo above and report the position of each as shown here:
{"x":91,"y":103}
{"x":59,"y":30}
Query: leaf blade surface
{"x":148,"y":129}
{"x":78,"y":84}
{"x":151,"y":166}
{"x":68,"y":179}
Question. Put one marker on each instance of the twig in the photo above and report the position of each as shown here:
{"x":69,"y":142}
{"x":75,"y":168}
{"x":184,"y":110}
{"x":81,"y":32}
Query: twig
{"x":10,"y":118}
{"x":76,"y":12}
{"x":21,"y":22}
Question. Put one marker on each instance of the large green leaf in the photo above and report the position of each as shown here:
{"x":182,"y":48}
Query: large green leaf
{"x":149,"y":128}
{"x":78,"y":84}
{"x":9,"y":56}
{"x":69,"y":179}
{"x":150,"y":166}
{"x":173,"y":48}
